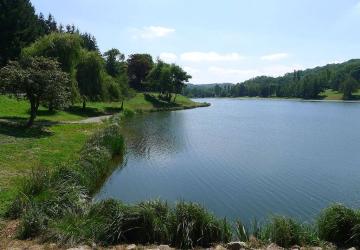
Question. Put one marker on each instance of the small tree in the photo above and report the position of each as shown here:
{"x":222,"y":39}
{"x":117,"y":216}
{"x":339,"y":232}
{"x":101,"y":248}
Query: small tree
{"x":38,"y":79}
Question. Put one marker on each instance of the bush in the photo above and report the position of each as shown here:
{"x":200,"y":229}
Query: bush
{"x":32,"y":223}
{"x":338,"y":224}
{"x":192,"y":225}
{"x":287,"y":232}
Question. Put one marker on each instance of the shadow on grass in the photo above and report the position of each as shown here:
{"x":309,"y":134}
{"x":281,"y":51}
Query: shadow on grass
{"x":158,"y":103}
{"x":18,"y":129}
{"x":88,"y":112}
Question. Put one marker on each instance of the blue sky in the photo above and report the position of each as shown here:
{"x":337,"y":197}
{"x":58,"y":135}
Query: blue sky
{"x":221,"y":41}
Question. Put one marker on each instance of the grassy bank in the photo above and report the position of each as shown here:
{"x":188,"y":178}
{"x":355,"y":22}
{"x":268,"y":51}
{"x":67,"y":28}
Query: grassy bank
{"x":22,"y":150}
{"x":13,"y":109}
{"x":330,"y":94}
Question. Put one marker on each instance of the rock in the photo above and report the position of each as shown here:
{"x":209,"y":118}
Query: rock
{"x":165,"y":247}
{"x":219,"y":247}
{"x":80,"y":248}
{"x":131,"y":247}
{"x":352,"y":248}
{"x":273,"y":246}
{"x":236,"y":245}
{"x":296,"y":247}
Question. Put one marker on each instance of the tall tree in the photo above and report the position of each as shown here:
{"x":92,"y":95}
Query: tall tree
{"x":180,"y":77}
{"x":40,"y":79}
{"x":89,"y":42}
{"x":19,"y":27}
{"x":89,"y":77}
{"x":347,"y":87}
{"x":114,"y":62}
{"x":139,"y":65}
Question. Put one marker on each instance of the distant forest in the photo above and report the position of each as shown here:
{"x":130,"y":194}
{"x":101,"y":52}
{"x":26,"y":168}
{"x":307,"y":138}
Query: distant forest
{"x":306,"y":84}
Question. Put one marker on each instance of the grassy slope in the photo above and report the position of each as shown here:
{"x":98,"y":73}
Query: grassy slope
{"x":11,"y":108}
{"x":330,"y":94}
{"x":22,"y":150}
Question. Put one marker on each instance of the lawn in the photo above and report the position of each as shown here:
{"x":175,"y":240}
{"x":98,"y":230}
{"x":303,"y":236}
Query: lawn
{"x":330,"y":94}
{"x":22,"y":150}
{"x":11,"y":108}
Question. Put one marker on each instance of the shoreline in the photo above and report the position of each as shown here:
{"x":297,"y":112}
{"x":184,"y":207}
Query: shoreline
{"x":279,"y":99}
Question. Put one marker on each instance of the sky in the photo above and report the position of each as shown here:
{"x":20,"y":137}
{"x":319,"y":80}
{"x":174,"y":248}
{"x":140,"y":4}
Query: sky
{"x":220,"y":40}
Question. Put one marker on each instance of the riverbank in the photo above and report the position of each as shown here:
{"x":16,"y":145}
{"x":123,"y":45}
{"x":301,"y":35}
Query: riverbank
{"x":57,"y":137}
{"x":57,"y":207}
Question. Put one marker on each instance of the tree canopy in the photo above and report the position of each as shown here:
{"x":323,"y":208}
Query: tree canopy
{"x":38,"y":79}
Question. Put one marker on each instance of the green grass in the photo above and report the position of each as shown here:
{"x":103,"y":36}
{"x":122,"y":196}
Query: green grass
{"x":11,"y":108}
{"x":330,"y":94}
{"x":23,"y":149}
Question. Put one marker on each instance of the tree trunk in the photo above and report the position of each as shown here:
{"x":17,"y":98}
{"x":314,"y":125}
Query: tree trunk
{"x":51,"y":107}
{"x":84,"y":105}
{"x":175,"y":97}
{"x":122,"y":106}
{"x":33,"y":110}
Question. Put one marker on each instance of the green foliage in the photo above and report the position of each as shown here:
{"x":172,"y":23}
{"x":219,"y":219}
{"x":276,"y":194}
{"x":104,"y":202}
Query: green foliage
{"x":40,"y":79}
{"x":306,"y":84}
{"x":89,"y":76}
{"x":192,"y":225}
{"x":18,"y":28}
{"x":339,"y":224}
{"x":287,"y":232}
{"x":33,"y":222}
{"x":64,"y":47}
{"x":139,"y":65}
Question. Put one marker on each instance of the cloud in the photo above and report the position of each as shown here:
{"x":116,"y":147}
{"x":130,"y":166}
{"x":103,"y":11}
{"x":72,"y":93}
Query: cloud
{"x":224,"y":74}
{"x":210,"y":57}
{"x":168,"y":57}
{"x":151,"y":32}
{"x":275,"y":57}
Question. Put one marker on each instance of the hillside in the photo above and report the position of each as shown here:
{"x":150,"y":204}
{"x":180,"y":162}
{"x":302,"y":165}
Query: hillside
{"x":323,"y":82}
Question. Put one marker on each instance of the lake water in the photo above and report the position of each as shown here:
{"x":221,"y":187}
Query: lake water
{"x":244,"y":158}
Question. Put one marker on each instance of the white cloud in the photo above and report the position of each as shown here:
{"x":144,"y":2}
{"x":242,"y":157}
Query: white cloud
{"x":224,"y":74}
{"x":191,"y":70}
{"x":168,"y":57}
{"x":275,"y":57}
{"x":150,"y":32}
{"x":210,"y":56}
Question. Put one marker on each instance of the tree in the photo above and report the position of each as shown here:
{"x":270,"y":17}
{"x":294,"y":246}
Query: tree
{"x":347,"y":87}
{"x":180,"y":77}
{"x":19,"y":27}
{"x":89,"y":76}
{"x":38,"y":79}
{"x":139,"y":65}
{"x":65,"y":48}
{"x":114,"y":62}
{"x":89,"y":42}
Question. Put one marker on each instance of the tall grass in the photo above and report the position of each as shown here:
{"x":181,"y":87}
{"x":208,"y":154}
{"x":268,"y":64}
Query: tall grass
{"x":340,"y":225}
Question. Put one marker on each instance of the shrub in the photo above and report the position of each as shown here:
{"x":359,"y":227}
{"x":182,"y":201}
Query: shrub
{"x":192,"y":225}
{"x":286,"y":232}
{"x":33,"y":222}
{"x":338,"y":224}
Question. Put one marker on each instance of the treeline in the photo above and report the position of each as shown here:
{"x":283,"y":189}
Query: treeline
{"x":306,"y":84}
{"x":56,"y":66}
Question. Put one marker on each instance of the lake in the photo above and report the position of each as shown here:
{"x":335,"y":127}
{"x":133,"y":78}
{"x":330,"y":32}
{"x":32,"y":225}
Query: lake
{"x":244,"y":158}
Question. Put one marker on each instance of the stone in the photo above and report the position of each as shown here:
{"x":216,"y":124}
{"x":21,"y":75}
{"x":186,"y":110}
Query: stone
{"x":236,"y":245}
{"x":352,"y":248}
{"x":131,"y":247}
{"x":273,"y":246}
{"x":80,"y":248}
{"x":296,"y":247}
{"x":219,"y":247}
{"x":165,"y":247}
